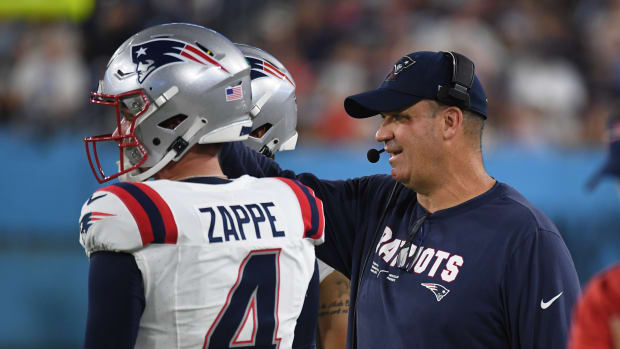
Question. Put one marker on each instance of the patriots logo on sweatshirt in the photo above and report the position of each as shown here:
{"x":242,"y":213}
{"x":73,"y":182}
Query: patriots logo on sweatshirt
{"x":437,"y":289}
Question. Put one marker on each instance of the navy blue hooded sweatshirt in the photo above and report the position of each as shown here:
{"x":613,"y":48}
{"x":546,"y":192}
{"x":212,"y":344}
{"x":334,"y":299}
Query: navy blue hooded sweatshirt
{"x":492,"y":272}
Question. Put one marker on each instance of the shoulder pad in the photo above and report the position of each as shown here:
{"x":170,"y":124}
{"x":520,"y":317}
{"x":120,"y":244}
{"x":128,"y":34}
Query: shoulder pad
{"x":124,"y":217}
{"x":311,"y":210}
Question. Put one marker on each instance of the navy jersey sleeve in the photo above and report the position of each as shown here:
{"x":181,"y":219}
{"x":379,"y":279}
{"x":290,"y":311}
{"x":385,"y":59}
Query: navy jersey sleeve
{"x":115,"y":301}
{"x":305,"y":330}
{"x":350,"y":205}
{"x":237,"y":160}
{"x":539,"y":290}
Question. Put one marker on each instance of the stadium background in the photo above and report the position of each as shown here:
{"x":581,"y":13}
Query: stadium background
{"x":551,"y":70}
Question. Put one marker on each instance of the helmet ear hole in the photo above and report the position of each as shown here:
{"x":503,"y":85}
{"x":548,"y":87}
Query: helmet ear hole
{"x":260,"y":131}
{"x":172,"y":122}
{"x":156,"y":141}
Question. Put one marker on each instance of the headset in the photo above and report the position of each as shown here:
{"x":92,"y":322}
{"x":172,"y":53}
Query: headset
{"x":463,"y":72}
{"x":456,"y":94}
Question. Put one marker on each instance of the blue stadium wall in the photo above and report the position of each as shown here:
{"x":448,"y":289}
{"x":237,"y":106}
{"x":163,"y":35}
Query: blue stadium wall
{"x":44,"y":183}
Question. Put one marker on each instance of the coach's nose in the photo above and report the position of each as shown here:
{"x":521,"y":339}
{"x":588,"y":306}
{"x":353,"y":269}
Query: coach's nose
{"x":384,"y":133}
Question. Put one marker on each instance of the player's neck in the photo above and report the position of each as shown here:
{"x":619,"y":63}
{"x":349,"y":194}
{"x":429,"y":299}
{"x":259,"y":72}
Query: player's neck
{"x":192,"y":164}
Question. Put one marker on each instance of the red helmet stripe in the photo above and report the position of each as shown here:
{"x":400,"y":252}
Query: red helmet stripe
{"x":267,"y":65}
{"x":205,"y":56}
{"x":187,"y":55}
{"x":275,"y":71}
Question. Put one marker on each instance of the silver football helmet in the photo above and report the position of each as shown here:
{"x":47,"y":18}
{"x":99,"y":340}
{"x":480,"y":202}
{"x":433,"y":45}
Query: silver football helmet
{"x":274,"y":105}
{"x":172,"y":85}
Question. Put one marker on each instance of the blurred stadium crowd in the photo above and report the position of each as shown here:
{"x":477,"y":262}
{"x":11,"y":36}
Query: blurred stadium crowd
{"x":551,"y":68}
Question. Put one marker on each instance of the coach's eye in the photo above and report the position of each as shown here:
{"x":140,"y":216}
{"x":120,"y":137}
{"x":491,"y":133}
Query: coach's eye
{"x":400,"y":117}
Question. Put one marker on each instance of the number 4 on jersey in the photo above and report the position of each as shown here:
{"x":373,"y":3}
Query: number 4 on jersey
{"x":254,"y":299}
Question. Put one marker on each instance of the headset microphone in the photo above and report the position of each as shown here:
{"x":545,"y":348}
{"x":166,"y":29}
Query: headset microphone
{"x":373,"y":155}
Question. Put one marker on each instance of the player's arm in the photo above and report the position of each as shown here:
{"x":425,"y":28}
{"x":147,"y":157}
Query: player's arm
{"x":540,"y":289}
{"x":112,"y":226}
{"x":333,"y":311}
{"x":305,"y":328}
{"x":115,"y":301}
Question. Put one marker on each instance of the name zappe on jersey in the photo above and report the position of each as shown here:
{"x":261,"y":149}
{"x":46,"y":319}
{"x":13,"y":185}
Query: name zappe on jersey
{"x":227,"y":265}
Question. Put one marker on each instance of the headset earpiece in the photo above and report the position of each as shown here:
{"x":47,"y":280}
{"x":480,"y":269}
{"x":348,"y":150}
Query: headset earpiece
{"x":457,"y":93}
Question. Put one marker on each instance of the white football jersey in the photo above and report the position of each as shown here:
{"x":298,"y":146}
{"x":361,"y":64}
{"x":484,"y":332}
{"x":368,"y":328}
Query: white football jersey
{"x":224,"y":265}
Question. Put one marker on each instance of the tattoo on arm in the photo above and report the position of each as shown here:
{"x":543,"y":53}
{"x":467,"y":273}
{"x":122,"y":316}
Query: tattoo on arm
{"x":339,"y":302}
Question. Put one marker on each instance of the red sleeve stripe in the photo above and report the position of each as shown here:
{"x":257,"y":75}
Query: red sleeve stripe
{"x":316,"y":206}
{"x":136,"y":210}
{"x":151,"y":213}
{"x":311,"y":209}
{"x":170,"y":225}
{"x":303,"y":203}
{"x":319,"y":204}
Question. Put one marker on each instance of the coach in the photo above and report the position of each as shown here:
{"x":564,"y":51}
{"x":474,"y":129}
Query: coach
{"x":440,"y":254}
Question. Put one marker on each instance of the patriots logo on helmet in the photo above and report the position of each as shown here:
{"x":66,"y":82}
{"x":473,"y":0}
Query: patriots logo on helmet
{"x":401,"y":65}
{"x":88,"y":219}
{"x":260,"y":68}
{"x":437,"y":289}
{"x":152,"y":55}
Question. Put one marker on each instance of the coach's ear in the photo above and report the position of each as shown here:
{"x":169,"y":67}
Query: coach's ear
{"x":451,"y":119}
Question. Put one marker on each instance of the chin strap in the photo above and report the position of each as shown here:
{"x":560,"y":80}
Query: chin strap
{"x":137,"y":176}
{"x":290,"y":143}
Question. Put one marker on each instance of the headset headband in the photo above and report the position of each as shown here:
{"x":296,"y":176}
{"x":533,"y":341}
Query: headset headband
{"x":463,"y":72}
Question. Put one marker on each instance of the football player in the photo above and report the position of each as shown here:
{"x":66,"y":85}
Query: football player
{"x":596,"y":316}
{"x":274,"y":115}
{"x":190,"y":259}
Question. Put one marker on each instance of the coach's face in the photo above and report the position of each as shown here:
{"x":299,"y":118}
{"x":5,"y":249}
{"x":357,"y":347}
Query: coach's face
{"x":412,"y":139}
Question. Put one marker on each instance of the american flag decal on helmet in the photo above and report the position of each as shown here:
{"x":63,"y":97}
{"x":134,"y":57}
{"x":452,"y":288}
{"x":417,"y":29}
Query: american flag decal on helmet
{"x":234,"y":93}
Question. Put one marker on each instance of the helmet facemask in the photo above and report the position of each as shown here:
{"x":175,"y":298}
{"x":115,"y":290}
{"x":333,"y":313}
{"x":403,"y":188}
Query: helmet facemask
{"x":129,"y":108}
